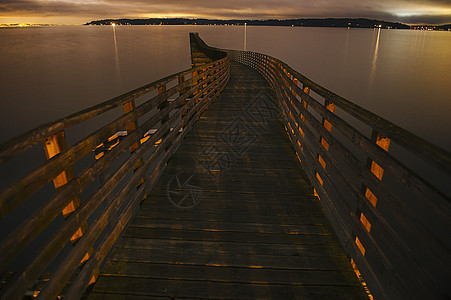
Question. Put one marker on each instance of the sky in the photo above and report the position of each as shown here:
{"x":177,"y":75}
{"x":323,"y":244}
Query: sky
{"x":412,"y":12}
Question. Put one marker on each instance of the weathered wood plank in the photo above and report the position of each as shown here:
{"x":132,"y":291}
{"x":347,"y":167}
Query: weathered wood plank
{"x":214,"y":225}
{"x":228,"y":236}
{"x":221,"y":290}
{"x":293,"y":262}
{"x":225,"y":273}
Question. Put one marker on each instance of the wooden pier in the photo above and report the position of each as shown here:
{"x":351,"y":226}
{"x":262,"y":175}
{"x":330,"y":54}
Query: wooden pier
{"x":237,"y":179}
{"x":252,"y":229}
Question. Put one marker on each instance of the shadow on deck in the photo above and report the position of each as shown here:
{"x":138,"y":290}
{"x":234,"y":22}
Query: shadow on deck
{"x":232,"y":216}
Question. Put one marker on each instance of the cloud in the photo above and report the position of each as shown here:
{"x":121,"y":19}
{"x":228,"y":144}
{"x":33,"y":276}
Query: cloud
{"x":427,"y":11}
{"x":426,"y":19}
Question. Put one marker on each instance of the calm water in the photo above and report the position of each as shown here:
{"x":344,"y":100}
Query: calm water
{"x":47,"y":73}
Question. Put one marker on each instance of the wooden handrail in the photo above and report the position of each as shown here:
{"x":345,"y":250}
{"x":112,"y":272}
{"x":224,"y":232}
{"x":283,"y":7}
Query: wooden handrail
{"x":153,"y":132}
{"x":368,"y":202}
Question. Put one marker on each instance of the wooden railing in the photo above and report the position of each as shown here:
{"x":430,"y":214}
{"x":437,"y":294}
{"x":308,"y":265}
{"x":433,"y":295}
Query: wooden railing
{"x":392,"y":222}
{"x":125,"y":157}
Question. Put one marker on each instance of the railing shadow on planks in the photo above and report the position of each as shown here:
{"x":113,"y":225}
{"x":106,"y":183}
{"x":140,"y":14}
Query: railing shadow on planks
{"x":392,"y":222}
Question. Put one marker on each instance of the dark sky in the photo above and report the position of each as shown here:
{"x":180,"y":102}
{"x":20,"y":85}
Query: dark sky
{"x":81,"y":11}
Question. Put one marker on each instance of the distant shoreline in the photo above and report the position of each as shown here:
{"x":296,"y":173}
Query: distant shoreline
{"x":325,"y":23}
{"x":328,"y":22}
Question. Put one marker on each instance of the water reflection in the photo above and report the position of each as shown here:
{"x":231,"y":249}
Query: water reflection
{"x":374,"y":62}
{"x":423,"y":41}
{"x":116,"y":56}
{"x":245,"y":36}
{"x":347,"y":44}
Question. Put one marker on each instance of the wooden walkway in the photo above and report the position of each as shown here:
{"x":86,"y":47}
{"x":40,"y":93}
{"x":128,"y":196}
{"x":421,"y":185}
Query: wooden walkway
{"x":232,"y":216}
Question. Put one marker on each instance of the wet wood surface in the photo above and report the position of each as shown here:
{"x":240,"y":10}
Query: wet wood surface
{"x":232,"y":216}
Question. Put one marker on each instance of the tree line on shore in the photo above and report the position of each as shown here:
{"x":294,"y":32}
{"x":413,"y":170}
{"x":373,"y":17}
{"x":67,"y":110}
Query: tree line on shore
{"x":328,"y":22}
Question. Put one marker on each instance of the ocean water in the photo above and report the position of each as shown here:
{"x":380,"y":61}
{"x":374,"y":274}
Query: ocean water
{"x":50,"y":72}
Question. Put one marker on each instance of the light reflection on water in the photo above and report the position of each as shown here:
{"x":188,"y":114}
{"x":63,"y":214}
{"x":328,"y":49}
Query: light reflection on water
{"x":374,"y":63}
{"x":116,"y":56}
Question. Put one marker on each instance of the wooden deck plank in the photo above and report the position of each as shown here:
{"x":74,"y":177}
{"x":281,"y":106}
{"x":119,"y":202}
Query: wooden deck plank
{"x":294,"y":262}
{"x":225,"y":273}
{"x":227,"y":226}
{"x":201,"y":246}
{"x":220,"y":290}
{"x":230,"y":236}
{"x":254,"y":230}
{"x":233,"y":218}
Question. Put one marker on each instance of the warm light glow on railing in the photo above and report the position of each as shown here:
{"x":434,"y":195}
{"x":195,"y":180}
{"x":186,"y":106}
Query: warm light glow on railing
{"x":360,"y":246}
{"x":377,"y":170}
{"x":371,"y":197}
{"x":325,"y":144}
{"x":319,"y":178}
{"x":383,"y":142}
{"x":365,"y":222}
{"x":321,"y":161}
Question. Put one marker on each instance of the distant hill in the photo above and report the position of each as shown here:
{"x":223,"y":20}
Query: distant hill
{"x":329,"y":22}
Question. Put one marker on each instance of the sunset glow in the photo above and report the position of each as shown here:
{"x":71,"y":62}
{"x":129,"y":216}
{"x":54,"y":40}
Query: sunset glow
{"x":82,"y":11}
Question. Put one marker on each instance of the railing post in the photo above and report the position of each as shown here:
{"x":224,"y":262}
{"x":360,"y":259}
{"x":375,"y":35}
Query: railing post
{"x":384,"y":143}
{"x":306,"y":90}
{"x":204,"y":79}
{"x":195,"y":81}
{"x":132,"y":126}
{"x":181,"y":80}
{"x":162,"y":106}
{"x":54,"y":145}
{"x":296,"y":82}
{"x":329,"y":106}
{"x":293,"y":91}
{"x":290,"y":78}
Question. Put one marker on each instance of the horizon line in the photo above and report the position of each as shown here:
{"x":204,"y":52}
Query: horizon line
{"x":27,"y":24}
